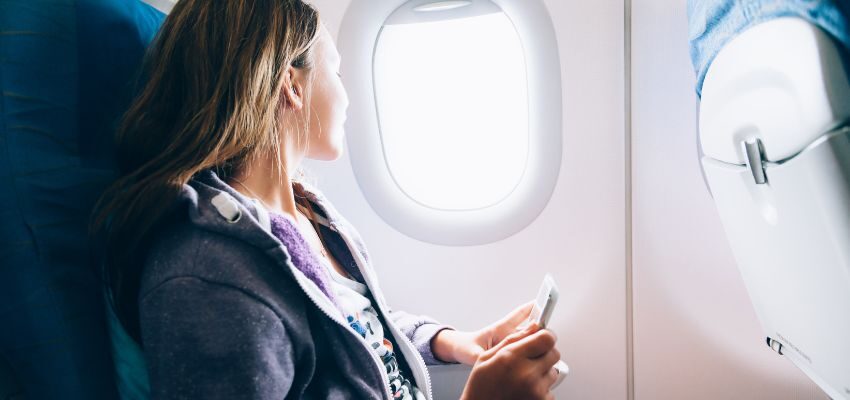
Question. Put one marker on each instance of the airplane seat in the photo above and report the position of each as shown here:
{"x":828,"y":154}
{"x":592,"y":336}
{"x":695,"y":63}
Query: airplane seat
{"x":67,"y":69}
{"x":774,"y":128}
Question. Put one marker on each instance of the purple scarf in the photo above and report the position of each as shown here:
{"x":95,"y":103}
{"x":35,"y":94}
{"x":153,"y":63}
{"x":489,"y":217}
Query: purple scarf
{"x":302,"y":256}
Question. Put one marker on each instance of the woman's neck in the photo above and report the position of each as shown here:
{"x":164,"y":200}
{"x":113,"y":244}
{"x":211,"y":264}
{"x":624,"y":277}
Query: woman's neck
{"x":275,"y":192}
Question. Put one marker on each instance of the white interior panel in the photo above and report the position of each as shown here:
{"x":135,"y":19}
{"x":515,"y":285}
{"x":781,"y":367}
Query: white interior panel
{"x":696,"y":332}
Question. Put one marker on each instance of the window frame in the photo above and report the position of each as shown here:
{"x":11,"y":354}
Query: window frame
{"x":358,"y":38}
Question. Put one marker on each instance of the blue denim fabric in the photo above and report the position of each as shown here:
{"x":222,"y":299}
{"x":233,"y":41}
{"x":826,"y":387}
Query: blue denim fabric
{"x":713,"y":23}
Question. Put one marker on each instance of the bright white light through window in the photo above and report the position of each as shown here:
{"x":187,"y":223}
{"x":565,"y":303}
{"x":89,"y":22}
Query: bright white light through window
{"x":452,"y":100}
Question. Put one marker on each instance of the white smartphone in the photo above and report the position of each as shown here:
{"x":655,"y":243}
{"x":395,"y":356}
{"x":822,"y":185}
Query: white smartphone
{"x":544,"y":305}
{"x":541,"y":312}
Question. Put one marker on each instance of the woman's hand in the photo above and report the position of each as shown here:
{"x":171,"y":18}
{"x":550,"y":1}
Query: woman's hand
{"x":519,"y":367}
{"x":465,"y":347}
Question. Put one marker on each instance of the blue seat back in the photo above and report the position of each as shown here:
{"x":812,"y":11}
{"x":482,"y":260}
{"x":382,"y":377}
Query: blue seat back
{"x":68,"y":69}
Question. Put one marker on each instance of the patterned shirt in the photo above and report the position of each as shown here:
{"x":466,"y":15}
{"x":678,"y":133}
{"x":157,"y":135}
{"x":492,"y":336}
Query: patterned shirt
{"x":358,"y":311}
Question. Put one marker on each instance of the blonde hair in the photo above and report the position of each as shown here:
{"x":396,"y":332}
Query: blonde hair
{"x":213,"y":81}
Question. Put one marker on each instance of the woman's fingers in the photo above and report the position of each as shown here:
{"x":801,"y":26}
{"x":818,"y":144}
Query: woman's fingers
{"x":510,"y":322}
{"x":534,"y":345}
{"x":516,"y":316}
{"x":513,"y":338}
{"x":520,"y":366}
{"x":547,"y":361}
{"x":519,"y":314}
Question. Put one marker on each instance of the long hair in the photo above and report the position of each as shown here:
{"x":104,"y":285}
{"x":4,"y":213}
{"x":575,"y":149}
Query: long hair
{"x":210,"y":99}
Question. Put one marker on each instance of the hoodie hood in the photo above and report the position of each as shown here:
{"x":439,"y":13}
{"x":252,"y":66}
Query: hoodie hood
{"x":215,"y":206}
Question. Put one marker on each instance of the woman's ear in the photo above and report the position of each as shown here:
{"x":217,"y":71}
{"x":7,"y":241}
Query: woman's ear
{"x":292,"y":92}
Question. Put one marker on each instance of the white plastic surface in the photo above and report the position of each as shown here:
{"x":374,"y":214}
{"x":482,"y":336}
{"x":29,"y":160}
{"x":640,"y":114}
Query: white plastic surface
{"x":563,"y":370}
{"x":544,"y":305}
{"x":781,"y":81}
{"x":791,"y":236}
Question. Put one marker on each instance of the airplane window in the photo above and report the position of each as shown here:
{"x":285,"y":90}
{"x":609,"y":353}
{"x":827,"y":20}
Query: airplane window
{"x":454,"y":125}
{"x":452,"y":105}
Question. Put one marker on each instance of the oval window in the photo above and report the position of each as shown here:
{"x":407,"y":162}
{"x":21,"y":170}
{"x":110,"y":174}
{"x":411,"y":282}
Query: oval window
{"x":454,"y":125}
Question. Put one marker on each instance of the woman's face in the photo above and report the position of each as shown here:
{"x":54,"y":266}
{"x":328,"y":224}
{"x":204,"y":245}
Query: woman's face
{"x":327,"y":102}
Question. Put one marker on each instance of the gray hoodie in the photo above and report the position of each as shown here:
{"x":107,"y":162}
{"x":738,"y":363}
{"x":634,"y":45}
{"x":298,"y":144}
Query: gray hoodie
{"x":228,"y":310}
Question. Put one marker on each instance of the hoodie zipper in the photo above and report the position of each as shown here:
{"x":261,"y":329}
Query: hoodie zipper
{"x":378,"y":362}
{"x":403,"y":339}
{"x":396,"y":332}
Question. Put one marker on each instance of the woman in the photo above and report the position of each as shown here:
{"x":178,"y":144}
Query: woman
{"x":240,"y":280}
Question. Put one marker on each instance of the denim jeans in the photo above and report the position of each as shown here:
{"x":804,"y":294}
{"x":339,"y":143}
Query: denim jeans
{"x":713,"y":23}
